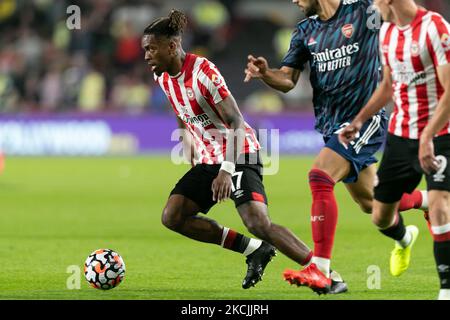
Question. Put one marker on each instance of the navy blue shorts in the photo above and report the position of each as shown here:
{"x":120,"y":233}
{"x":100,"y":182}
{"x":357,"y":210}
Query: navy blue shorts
{"x":360,"y":152}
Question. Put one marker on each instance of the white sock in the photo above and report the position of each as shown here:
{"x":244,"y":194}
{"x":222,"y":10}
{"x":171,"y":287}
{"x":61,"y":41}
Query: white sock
{"x":424,"y":205}
{"x":444,"y":294}
{"x":224,"y":235}
{"x":406,"y":239}
{"x":252,"y":246}
{"x":322,"y":264}
{"x":440,"y":229}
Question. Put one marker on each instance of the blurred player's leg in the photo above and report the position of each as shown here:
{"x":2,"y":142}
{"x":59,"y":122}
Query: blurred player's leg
{"x":251,"y":202}
{"x":426,"y":215}
{"x":390,"y":223}
{"x":398,"y":173}
{"x":255,"y":217}
{"x":362,"y":193}
{"x":180,"y":215}
{"x":440,"y":225}
{"x":328,"y":168}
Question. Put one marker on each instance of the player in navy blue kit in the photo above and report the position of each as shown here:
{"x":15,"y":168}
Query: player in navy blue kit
{"x":339,"y":43}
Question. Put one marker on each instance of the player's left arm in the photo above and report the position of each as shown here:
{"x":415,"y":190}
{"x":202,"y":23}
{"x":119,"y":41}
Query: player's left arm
{"x":440,"y":118}
{"x":439,"y":38}
{"x":381,"y":96}
{"x":229,"y":112}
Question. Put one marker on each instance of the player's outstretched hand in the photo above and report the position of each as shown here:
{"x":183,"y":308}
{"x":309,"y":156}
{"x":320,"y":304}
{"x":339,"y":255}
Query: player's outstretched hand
{"x":256,"y":68}
{"x":427,"y":159}
{"x":349,"y":133}
{"x":221,"y":186}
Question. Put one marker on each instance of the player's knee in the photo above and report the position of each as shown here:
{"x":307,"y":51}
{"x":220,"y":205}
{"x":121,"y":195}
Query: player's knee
{"x":259,"y":227}
{"x":376,"y":220}
{"x":366,"y":206}
{"x":439,"y":213}
{"x":381,"y":221}
{"x":171,"y":220}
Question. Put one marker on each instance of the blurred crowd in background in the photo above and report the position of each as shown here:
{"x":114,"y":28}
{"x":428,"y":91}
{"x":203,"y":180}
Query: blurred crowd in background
{"x":47,"y":68}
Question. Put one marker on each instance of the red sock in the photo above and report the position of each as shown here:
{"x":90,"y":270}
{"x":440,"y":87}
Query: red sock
{"x":228,"y":238}
{"x":307,"y":259}
{"x":238,"y":242}
{"x":410,"y":201}
{"x":441,"y":237}
{"x":323,"y":213}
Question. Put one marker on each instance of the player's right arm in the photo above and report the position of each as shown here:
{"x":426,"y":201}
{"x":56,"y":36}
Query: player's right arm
{"x":379,"y":99}
{"x":283,"y":79}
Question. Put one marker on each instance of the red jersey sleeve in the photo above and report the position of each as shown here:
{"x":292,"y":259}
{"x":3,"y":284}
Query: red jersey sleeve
{"x":439,"y":37}
{"x":213,"y":83}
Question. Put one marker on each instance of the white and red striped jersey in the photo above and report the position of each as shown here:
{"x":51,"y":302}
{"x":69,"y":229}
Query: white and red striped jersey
{"x":413,"y":53}
{"x":194,"y":95}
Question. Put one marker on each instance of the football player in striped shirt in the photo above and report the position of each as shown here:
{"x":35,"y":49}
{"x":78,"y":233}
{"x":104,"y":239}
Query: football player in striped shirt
{"x":340,"y":47}
{"x":226,"y":162}
{"x":415,"y":51}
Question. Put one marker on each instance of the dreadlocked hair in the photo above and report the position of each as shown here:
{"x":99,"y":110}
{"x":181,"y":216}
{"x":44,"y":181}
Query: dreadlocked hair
{"x":171,"y":26}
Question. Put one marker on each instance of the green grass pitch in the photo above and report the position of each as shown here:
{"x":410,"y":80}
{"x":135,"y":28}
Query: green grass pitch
{"x":55,"y":211}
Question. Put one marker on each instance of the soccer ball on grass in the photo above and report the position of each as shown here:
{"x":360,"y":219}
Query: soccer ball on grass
{"x":104,"y":269}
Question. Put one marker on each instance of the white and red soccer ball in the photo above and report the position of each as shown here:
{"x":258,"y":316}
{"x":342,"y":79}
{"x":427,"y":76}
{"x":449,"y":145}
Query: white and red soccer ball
{"x":104,"y":269}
